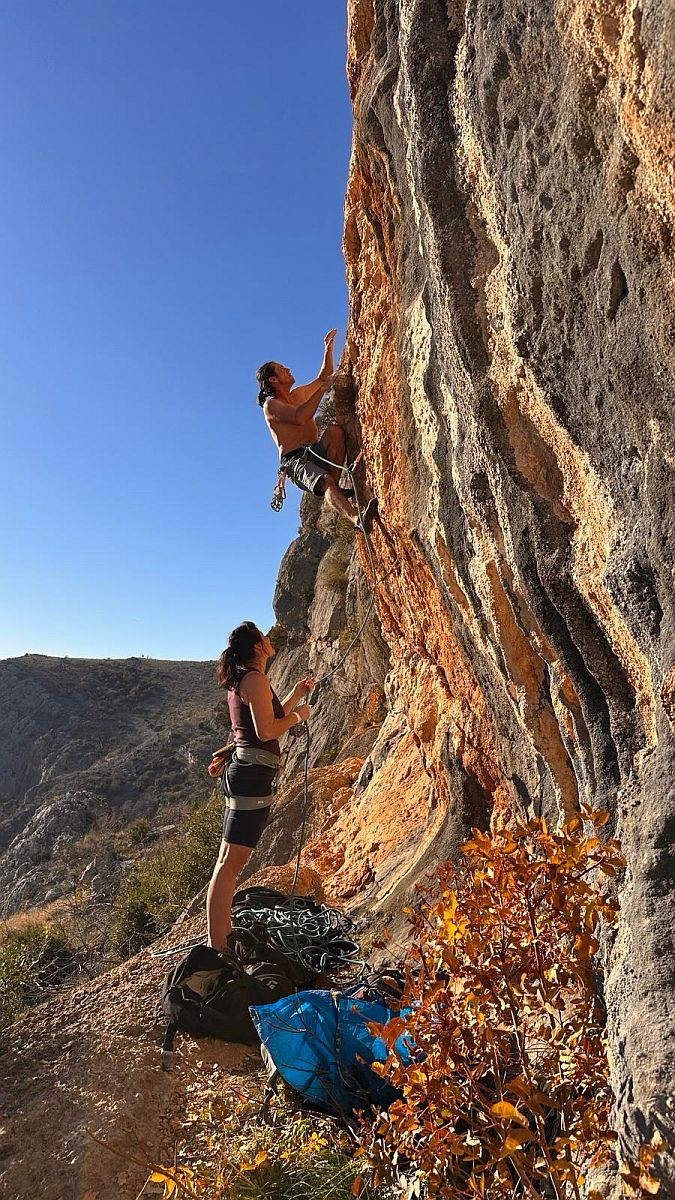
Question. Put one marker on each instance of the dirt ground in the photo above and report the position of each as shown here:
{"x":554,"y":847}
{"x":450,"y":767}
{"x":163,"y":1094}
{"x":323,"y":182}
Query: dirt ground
{"x":86,"y":1110}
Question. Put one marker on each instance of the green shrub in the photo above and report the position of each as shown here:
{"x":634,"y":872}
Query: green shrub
{"x":334,"y":568}
{"x":32,"y":960}
{"x":157,"y":889}
{"x":329,"y":755}
{"x":278,"y":637}
{"x":136,"y":833}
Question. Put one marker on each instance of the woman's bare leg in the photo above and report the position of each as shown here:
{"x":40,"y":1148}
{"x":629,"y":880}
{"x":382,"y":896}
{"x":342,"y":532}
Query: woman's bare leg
{"x":230,"y":862}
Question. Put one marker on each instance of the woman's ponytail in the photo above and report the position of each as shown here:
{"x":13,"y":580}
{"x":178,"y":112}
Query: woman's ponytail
{"x":237,"y":654}
{"x":226,"y":668}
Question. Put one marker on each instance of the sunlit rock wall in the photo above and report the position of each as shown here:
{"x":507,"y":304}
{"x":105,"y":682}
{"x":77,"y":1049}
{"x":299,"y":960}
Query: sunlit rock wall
{"x":508,"y":242}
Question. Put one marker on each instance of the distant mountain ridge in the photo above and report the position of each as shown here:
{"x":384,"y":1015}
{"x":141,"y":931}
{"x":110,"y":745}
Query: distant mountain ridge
{"x":81,"y":738}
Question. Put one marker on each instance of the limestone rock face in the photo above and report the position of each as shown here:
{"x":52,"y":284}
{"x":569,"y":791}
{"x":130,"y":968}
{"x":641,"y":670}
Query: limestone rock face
{"x":508,"y":238}
{"x":327,"y":626}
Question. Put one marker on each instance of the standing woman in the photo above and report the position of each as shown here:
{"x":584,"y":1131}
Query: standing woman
{"x":258,"y":720}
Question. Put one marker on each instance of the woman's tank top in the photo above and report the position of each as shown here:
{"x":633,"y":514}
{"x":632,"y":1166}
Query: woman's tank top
{"x":243,"y":729}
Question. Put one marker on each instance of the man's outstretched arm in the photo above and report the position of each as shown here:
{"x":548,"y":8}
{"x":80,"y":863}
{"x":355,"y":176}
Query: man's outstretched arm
{"x":318,"y":386}
{"x":327,"y":368}
{"x":309,"y":394}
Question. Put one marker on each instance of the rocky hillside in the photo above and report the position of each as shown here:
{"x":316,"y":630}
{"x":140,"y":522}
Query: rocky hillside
{"x":85,"y":743}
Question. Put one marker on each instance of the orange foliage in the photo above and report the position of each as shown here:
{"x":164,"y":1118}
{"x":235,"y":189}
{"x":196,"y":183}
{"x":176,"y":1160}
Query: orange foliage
{"x":508,"y":1092}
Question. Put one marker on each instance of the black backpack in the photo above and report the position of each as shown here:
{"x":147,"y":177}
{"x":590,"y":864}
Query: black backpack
{"x":209,"y":992}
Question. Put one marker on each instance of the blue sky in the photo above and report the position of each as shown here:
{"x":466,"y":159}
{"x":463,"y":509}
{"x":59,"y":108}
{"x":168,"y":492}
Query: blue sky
{"x":170,"y":217}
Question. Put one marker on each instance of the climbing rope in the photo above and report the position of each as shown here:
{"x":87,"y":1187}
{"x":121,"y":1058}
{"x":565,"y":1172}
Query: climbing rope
{"x":343,"y":657}
{"x":315,"y":936}
{"x":311,"y":934}
{"x":371,"y":600}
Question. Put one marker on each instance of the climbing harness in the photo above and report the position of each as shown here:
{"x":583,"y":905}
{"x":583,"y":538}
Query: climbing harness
{"x":279,"y":493}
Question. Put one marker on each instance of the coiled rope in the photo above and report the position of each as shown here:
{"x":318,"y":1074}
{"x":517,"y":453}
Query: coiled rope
{"x":312,"y":934}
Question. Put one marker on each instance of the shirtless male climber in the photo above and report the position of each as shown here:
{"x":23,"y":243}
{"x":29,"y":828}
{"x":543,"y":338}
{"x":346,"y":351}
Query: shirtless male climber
{"x":289,"y":413}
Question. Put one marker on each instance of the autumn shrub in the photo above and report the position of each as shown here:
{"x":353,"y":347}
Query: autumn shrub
{"x":296,"y":1156}
{"x":507,"y":1093}
{"x":33,"y":959}
{"x":159,"y":886}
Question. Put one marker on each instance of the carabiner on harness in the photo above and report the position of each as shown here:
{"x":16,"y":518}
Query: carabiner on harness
{"x":279,"y":494}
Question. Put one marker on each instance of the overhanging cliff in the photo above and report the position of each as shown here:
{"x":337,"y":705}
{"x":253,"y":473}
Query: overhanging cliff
{"x":508,"y":232}
{"x":508,"y":240}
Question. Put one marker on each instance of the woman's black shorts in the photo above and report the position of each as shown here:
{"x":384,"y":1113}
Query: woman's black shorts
{"x":243,"y":826}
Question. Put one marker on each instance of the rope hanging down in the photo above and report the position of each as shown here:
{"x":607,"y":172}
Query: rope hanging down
{"x":314,"y":935}
{"x":343,"y":657}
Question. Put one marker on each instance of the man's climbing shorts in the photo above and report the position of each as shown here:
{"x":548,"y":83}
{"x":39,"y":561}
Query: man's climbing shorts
{"x":248,"y":784}
{"x":304,"y":469}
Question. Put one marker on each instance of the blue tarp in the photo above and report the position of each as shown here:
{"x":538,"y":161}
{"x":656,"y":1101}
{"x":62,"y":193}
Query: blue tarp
{"x":321,"y":1046}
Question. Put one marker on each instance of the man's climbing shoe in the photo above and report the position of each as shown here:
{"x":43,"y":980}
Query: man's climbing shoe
{"x":366,"y":523}
{"x":348,"y":493}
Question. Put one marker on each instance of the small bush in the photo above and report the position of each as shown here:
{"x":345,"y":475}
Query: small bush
{"x":157,"y":889}
{"x":334,"y":568}
{"x":33,"y":959}
{"x":136,"y":834}
{"x":332,"y":575}
{"x":328,"y":757}
{"x":299,"y":1157}
{"x":508,"y":1092}
{"x":278,"y":637}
